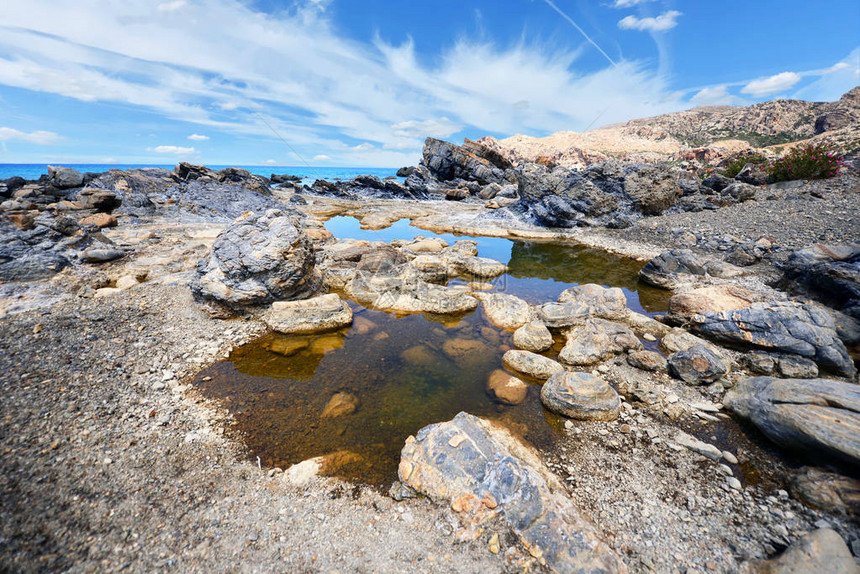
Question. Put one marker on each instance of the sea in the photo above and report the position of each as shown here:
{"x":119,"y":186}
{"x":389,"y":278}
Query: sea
{"x":33,"y":171}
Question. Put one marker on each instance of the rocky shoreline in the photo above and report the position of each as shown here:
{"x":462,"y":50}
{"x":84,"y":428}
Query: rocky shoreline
{"x":119,"y":287}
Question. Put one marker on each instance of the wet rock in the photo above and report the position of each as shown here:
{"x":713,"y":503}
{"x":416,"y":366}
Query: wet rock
{"x":827,"y":491}
{"x":821,"y":550}
{"x":783,"y":327}
{"x":314,"y":315}
{"x":256,"y":259}
{"x":562,"y":315}
{"x":581,"y":396}
{"x":480,"y":267}
{"x":405,"y":171}
{"x":284,"y":178}
{"x":64,"y":177}
{"x":482,"y":471}
{"x":647,"y":360}
{"x":531,"y":364}
{"x":607,"y":303}
{"x":818,"y":417}
{"x":710,"y":299}
{"x":505,"y":311}
{"x":596,"y":341}
{"x":696,"y":365}
{"x":408,"y":295}
{"x":341,"y":404}
{"x":506,"y":388}
{"x":533,"y":336}
{"x":459,"y":348}
{"x":667,"y":269}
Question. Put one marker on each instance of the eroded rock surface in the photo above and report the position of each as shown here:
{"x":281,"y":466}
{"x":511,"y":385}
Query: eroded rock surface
{"x":483,"y":472}
{"x":581,"y":396}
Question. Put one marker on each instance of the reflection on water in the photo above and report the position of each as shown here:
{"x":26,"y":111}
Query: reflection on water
{"x":397,"y":375}
{"x":406,"y":373}
{"x":539,"y":270}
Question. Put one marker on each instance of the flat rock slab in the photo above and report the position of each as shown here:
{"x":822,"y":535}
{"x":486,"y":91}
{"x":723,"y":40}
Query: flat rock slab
{"x":783,"y":327}
{"x":815,"y":416}
{"x":821,"y":550}
{"x":315,"y":315}
{"x":531,"y":364}
{"x":581,"y":396}
{"x":563,"y":315}
{"x":483,"y":472}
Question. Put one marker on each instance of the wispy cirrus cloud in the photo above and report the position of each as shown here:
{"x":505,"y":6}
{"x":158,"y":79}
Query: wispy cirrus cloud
{"x":36,"y":137}
{"x":173,"y":149}
{"x":661,"y":23}
{"x":198,"y":138}
{"x":628,"y":3}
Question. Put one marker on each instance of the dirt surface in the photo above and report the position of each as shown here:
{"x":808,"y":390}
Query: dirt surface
{"x":111,"y":460}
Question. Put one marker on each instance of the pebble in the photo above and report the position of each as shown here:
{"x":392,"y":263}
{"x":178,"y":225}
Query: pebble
{"x":649,"y":337}
{"x":732,"y":459}
{"x":734,"y":483}
{"x":158,"y":386}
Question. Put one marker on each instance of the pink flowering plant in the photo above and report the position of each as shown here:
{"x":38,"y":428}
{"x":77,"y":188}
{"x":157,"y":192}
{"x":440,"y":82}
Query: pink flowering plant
{"x":817,"y":161}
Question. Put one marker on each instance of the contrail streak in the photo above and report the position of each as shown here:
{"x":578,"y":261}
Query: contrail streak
{"x":581,"y":31}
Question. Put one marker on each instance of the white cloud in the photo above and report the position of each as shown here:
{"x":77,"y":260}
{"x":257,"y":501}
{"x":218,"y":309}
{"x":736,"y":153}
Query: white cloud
{"x":661,"y":23}
{"x":771,"y":85}
{"x":321,"y":157}
{"x":628,"y":3}
{"x":715,"y":96}
{"x":173,"y":149}
{"x":333,"y":90}
{"x":198,"y":137}
{"x":270,"y":162}
{"x":38,"y":137}
{"x":834,"y":81}
{"x":366,"y":146}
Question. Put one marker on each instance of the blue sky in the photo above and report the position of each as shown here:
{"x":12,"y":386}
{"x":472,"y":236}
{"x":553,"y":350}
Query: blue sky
{"x":361,"y":83}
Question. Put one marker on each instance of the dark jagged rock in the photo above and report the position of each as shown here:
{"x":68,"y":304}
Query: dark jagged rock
{"x":257,"y":259}
{"x":64,"y":177}
{"x":13,"y":184}
{"x":717,"y":182}
{"x":405,"y":171}
{"x":482,"y":471}
{"x":189,"y":172}
{"x":245,"y":178}
{"x":753,"y":174}
{"x":488,"y":154}
{"x":98,"y":199}
{"x":447,"y":161}
{"x":26,"y":255}
{"x":284,"y":178}
{"x":830,"y":273}
{"x":652,"y":190}
{"x":818,"y":417}
{"x":783,"y":327}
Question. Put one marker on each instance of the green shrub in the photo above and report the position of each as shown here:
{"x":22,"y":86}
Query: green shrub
{"x":817,"y":161}
{"x":734,"y":166}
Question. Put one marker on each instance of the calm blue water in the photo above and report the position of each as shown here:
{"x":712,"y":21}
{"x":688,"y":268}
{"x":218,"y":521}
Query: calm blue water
{"x":537,"y":271}
{"x":35,"y":171}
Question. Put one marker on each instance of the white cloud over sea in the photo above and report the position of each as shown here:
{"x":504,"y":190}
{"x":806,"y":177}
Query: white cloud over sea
{"x":37,"y":137}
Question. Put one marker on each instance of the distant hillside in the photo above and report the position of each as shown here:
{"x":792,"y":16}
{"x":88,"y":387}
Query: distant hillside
{"x":708,"y":133}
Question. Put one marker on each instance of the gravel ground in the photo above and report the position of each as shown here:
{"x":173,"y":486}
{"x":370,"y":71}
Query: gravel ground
{"x":110,"y":462}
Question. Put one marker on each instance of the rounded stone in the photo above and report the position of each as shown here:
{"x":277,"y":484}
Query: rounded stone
{"x":506,"y":388}
{"x":531,"y":364}
{"x":533,"y":336}
{"x":581,"y":396}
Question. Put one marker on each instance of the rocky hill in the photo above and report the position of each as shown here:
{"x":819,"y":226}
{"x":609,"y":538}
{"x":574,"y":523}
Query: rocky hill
{"x":706,"y":133}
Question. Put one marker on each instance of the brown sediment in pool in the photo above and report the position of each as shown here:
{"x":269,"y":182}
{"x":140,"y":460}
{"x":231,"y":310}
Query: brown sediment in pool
{"x":404,"y":374}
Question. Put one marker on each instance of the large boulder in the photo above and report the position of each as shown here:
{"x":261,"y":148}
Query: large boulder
{"x":257,"y":259}
{"x":481,"y":471}
{"x":830,"y":273}
{"x":447,"y":161}
{"x":783,"y":327}
{"x":652,"y":190}
{"x":580,"y":396}
{"x":561,"y":197}
{"x":818,"y":417}
{"x":64,"y":177}
{"x":710,"y":299}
